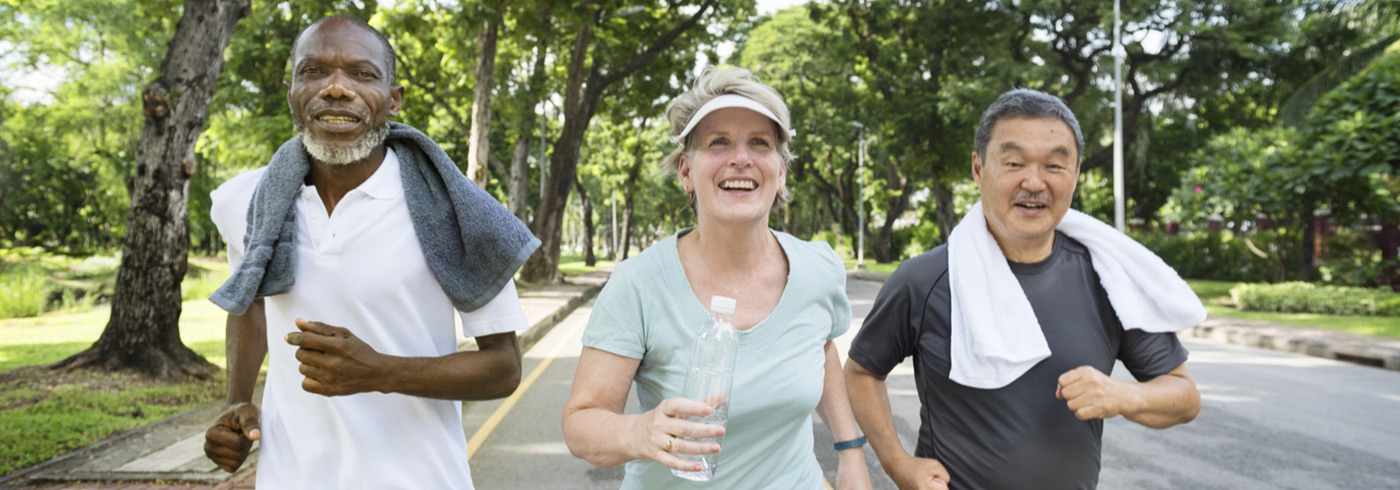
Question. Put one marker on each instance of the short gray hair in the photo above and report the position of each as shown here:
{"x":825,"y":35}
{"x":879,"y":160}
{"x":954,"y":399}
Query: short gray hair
{"x":715,"y":81}
{"x":1027,"y":103}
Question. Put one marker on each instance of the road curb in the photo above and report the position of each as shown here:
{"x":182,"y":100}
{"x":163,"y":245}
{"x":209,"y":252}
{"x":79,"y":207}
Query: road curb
{"x":32,"y":474}
{"x":528,"y":337}
{"x":1300,"y":341}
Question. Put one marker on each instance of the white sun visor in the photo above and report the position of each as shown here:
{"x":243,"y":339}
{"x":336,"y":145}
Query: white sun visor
{"x":724,"y":102}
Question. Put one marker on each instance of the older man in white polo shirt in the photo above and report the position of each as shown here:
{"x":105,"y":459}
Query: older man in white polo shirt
{"x":352,"y":251}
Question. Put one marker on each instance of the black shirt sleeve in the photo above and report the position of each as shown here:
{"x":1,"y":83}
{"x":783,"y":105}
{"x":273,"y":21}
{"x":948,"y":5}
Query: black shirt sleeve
{"x":1149,"y":355}
{"x":890,"y":332}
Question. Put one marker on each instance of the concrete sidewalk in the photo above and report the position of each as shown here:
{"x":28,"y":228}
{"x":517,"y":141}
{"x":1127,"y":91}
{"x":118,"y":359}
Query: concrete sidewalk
{"x":169,"y":454}
{"x":1318,"y":342}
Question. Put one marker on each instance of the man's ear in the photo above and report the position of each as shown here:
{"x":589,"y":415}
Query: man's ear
{"x":396,"y":97}
{"x":976,"y":169}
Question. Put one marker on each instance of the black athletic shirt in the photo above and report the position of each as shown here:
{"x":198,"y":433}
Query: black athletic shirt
{"x":1019,"y":436}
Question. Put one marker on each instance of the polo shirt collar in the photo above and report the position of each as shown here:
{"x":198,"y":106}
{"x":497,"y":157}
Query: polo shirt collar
{"x":386,"y":183}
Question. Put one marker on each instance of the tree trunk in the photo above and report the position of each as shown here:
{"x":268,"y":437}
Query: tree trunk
{"x":588,"y":229}
{"x":943,"y":207}
{"x":626,"y":240}
{"x":520,"y":160}
{"x":543,"y":265}
{"x":481,"y":102}
{"x":520,"y":177}
{"x":580,"y":101}
{"x":144,"y":331}
{"x":629,"y":192}
{"x":1305,"y":253}
{"x":895,"y":205}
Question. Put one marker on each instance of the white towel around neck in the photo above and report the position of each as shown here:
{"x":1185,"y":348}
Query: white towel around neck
{"x":995,"y":336}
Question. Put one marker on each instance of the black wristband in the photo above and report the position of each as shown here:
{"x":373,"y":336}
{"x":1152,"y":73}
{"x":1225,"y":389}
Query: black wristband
{"x":853,"y":443}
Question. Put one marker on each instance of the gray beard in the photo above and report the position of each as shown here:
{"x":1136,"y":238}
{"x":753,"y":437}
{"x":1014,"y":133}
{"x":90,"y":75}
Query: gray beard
{"x":330,"y":155}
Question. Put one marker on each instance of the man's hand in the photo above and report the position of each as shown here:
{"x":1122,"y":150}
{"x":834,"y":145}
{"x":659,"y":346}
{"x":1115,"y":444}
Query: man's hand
{"x":227,"y":443}
{"x":911,"y":472}
{"x":1091,"y":394}
{"x":335,"y":361}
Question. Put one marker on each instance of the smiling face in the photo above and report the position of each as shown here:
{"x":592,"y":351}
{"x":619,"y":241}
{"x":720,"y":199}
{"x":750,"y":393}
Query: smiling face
{"x":735,"y":171}
{"x":340,"y":94}
{"x":1027,"y":183}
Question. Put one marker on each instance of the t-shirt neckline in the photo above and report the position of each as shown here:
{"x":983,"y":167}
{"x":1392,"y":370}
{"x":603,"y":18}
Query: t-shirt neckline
{"x":697,"y":312}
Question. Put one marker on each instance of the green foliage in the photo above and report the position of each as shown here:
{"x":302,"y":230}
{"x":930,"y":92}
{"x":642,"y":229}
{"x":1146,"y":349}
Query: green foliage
{"x":1389,"y":307}
{"x":24,"y":288}
{"x":43,"y":421}
{"x":1311,"y":298}
{"x":1216,"y":296}
{"x":45,"y":414}
{"x":1216,"y":256}
{"x":1354,"y":136}
{"x":71,"y":149}
{"x":1242,"y":173}
{"x":1352,"y":259}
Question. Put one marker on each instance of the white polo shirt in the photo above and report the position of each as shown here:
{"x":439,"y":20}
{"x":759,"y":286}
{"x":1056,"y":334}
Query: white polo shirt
{"x":360,"y":268}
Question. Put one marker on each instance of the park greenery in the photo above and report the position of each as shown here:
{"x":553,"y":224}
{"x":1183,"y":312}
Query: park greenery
{"x":1264,"y":132}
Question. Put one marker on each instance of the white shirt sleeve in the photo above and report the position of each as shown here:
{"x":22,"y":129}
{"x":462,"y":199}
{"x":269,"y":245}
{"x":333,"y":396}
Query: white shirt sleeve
{"x":502,"y":314}
{"x":229,"y":212}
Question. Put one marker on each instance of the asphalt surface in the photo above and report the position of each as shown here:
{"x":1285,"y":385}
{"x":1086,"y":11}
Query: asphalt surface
{"x":1269,"y":420}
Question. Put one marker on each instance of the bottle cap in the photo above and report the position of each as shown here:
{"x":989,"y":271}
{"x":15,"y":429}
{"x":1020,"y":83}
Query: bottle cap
{"x":721,"y":304}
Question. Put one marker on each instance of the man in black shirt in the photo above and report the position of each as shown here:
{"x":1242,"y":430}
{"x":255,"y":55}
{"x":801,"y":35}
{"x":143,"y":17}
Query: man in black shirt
{"x":1043,"y":430}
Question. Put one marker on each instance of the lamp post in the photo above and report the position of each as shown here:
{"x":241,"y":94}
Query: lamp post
{"x":860,"y":198}
{"x":1118,"y":53}
{"x":544,"y":130}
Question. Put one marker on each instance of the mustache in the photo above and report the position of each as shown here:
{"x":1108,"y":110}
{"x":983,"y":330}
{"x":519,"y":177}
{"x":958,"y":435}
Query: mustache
{"x":313,"y":110}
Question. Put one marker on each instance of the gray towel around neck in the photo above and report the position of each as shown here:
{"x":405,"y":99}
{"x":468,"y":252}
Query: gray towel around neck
{"x":472,"y":244}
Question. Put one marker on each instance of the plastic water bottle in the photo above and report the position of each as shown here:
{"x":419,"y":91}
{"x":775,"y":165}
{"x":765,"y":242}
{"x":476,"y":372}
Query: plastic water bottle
{"x":710,"y":378}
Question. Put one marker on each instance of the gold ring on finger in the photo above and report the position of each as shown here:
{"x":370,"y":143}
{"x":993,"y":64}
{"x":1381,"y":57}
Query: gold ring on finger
{"x":669,"y":442}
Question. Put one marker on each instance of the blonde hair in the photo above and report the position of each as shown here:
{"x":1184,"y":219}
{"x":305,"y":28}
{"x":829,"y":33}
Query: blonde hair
{"x":715,"y":81}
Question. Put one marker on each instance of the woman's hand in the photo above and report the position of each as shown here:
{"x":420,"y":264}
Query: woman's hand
{"x":660,"y":433}
{"x":851,"y":471}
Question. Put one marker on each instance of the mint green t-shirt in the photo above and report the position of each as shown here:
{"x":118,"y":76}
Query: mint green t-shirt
{"x":647,"y":311}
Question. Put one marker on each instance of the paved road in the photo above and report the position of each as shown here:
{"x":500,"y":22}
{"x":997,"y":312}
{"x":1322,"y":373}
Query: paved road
{"x":1269,"y":421}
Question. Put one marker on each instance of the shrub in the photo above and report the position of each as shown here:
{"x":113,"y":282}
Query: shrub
{"x":1301,"y":297}
{"x":1216,"y":256}
{"x":24,"y":289}
{"x":1390,"y":307}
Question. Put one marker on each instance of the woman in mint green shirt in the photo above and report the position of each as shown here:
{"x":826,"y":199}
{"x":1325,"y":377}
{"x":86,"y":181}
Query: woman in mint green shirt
{"x":732,"y":162}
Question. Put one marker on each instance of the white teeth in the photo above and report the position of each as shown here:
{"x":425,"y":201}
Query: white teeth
{"x":338,"y":119}
{"x":737,"y":185}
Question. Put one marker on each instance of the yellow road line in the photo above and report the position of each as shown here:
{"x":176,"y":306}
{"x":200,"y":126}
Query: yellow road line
{"x":479,"y":438}
{"x":826,"y":484}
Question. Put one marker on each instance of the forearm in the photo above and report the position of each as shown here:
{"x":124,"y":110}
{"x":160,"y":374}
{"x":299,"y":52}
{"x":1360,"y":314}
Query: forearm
{"x":834,"y":408}
{"x":594,"y":434}
{"x":489,"y":373}
{"x":245,"y":346}
{"x":1165,"y":401}
{"x":870,"y":402}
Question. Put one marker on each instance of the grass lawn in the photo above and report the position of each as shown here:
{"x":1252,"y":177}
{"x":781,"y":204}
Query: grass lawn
{"x":44,"y":414}
{"x":873,"y":266}
{"x":1216,"y":296}
{"x":571,"y":264}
